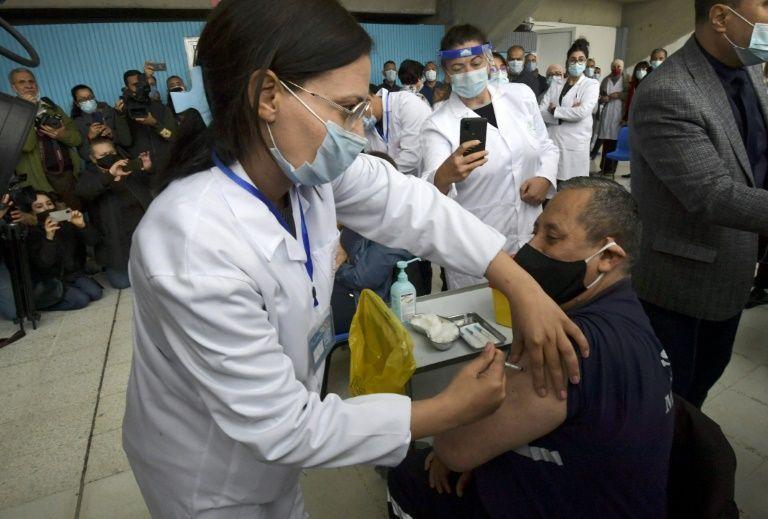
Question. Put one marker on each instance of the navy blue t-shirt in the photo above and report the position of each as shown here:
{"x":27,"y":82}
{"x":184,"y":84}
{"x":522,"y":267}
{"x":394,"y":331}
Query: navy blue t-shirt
{"x":610,"y":458}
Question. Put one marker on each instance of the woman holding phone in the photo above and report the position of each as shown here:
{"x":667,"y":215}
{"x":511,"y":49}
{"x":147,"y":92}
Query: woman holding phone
{"x":505,"y":183}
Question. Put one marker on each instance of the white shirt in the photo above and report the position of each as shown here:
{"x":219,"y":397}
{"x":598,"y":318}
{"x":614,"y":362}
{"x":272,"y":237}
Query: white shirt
{"x":222,"y":406}
{"x":571,"y":126}
{"x":519,"y":149}
{"x":403,"y":115}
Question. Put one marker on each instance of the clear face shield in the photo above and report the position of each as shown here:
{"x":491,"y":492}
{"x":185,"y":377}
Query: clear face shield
{"x":485,"y":50}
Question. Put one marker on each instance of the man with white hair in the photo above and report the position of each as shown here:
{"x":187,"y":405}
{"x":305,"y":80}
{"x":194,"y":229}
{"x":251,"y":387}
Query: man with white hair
{"x":613,"y":93}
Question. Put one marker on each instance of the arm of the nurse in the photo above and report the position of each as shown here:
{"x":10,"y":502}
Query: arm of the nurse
{"x":399,"y":211}
{"x":246,"y":381}
{"x":522,"y":418}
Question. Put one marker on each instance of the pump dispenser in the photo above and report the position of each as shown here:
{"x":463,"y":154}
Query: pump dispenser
{"x":402,"y":295}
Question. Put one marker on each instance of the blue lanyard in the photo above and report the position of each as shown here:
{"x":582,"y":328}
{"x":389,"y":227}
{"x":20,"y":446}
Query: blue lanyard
{"x":276,"y":213}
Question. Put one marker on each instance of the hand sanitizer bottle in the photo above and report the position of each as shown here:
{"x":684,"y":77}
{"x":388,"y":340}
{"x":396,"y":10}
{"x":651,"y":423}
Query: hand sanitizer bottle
{"x":402,"y":295}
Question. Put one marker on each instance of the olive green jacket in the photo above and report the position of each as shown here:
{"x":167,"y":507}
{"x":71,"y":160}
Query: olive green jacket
{"x":30,"y":161}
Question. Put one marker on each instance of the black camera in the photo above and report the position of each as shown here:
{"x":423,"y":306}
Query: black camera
{"x":22,"y":196}
{"x":137,"y":103}
{"x":48,"y":119}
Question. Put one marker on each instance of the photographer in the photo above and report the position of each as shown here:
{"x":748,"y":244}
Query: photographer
{"x":94,"y":119}
{"x":48,"y":157}
{"x":118,"y":197}
{"x":57,"y":255}
{"x":149,"y":124}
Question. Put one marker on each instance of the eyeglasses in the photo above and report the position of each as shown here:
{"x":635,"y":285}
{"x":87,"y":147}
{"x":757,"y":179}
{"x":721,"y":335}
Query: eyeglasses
{"x":352,"y":116}
{"x":573,"y":61}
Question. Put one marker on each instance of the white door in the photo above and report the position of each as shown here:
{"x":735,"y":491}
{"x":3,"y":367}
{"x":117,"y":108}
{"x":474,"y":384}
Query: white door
{"x":552,"y":46}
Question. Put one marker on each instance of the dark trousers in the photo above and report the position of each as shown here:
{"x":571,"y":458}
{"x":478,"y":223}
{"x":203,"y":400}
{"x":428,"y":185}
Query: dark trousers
{"x":698,"y":349}
{"x":409,"y":488}
{"x":78,"y":294}
{"x":607,"y":165}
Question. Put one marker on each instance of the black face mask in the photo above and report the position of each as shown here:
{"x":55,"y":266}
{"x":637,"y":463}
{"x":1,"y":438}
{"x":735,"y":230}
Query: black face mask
{"x":561,"y":280}
{"x":107,"y":161}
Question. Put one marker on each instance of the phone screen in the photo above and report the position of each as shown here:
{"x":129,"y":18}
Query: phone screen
{"x":64,"y":215}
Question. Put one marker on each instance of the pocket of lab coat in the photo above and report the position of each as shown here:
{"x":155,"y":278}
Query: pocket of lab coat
{"x":323,"y":261}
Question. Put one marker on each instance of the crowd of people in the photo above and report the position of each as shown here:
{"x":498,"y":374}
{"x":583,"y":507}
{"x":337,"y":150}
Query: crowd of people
{"x":83,"y":183}
{"x":654,"y":282}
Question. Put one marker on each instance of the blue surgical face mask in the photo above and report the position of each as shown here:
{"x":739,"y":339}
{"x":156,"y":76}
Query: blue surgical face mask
{"x":516,"y":66}
{"x":88,"y":107}
{"x":499,"y":77}
{"x":656,"y":63}
{"x":390,"y":75}
{"x":640,"y":74}
{"x":369,"y":123}
{"x":589,"y":72}
{"x":470,"y":84}
{"x":336,"y":153}
{"x":576,"y":69}
{"x":596,"y":77}
{"x":530,"y":66}
{"x":757,"y":52}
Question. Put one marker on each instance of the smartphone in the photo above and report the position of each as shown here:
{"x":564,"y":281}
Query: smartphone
{"x":64,"y":215}
{"x":473,"y":129}
{"x":138,"y":112}
{"x":97,"y":117}
{"x":133,"y":165}
{"x":157,"y":66}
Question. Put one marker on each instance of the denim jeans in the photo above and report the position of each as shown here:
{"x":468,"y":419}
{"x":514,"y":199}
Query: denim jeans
{"x":79,"y":294}
{"x":118,"y":279}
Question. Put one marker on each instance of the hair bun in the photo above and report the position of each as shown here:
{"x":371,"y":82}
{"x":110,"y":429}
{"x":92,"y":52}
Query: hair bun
{"x":581,"y":43}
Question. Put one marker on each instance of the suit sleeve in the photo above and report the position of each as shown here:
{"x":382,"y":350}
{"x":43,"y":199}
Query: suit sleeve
{"x":668,"y":135}
{"x":587,"y":100}
{"x":413,"y":112}
{"x":399,"y":211}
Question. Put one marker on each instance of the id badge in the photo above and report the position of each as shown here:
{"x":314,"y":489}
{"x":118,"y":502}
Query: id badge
{"x":322,"y":340}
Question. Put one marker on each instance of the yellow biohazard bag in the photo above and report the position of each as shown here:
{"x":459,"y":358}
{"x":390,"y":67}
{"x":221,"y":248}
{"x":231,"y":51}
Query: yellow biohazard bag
{"x":381,"y":349}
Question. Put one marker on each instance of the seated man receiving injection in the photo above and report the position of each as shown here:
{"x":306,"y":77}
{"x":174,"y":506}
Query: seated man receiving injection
{"x":602,"y":452}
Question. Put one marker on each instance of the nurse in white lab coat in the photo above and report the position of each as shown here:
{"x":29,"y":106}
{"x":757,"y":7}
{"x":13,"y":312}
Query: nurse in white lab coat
{"x":232,"y":269}
{"x":393,"y":126}
{"x":504,"y":185}
{"x":569,"y":116}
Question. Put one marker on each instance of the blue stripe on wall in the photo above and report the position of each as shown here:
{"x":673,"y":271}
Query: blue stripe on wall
{"x":97,"y":54}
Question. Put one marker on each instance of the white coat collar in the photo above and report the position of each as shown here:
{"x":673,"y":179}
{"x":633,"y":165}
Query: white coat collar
{"x":460,"y":110}
{"x":256,"y":220}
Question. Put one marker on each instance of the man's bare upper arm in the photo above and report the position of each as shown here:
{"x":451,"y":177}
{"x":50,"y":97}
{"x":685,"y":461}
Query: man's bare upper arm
{"x":523,"y":417}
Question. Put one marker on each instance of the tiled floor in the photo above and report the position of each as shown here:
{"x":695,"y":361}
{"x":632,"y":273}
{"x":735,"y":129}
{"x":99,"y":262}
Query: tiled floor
{"x":62,"y":399}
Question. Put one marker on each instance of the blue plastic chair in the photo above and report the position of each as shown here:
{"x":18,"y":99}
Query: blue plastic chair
{"x":621,"y":154}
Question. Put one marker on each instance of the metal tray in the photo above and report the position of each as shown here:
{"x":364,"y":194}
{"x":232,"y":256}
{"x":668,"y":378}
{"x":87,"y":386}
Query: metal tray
{"x":472,"y":318}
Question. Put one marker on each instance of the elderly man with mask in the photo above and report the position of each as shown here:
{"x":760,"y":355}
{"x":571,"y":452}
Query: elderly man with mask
{"x":517,"y":73}
{"x":602,"y":452}
{"x":613,"y":93}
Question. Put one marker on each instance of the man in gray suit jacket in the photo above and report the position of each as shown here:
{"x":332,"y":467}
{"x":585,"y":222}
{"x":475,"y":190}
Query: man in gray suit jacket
{"x":699,"y":165}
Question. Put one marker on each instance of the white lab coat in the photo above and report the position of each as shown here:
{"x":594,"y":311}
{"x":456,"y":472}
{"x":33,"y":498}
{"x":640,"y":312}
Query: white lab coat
{"x":518,"y":150}
{"x":403,"y":115}
{"x":613,"y":111}
{"x":570,"y":128}
{"x":223,"y":409}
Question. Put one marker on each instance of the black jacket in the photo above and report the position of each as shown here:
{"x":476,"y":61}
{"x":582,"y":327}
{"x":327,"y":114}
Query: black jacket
{"x":144,"y":138}
{"x":115,"y":209}
{"x":62,"y":258}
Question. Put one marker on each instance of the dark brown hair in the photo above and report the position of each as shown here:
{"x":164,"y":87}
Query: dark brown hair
{"x":244,"y":36}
